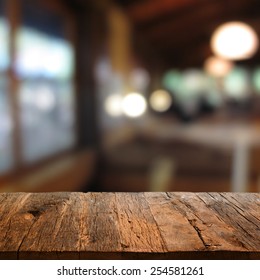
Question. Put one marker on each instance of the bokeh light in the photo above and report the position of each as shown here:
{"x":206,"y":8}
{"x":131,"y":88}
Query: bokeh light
{"x":113,"y":105}
{"x":237,"y":83}
{"x":172,"y":80}
{"x":218,"y":67}
{"x":160,"y":100}
{"x":194,"y":83}
{"x":235,"y":41}
{"x":134,"y":105}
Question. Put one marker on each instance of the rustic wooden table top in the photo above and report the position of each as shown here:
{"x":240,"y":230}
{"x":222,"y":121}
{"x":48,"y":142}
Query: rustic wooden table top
{"x":129,"y":226}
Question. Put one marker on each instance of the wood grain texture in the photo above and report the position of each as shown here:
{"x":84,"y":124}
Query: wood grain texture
{"x":129,"y":226}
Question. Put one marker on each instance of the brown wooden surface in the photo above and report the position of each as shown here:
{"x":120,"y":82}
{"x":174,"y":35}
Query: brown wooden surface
{"x":129,"y":226}
{"x":70,"y":172}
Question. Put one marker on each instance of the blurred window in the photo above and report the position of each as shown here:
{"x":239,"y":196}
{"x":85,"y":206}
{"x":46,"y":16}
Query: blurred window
{"x":42,"y":55}
{"x":45,"y":67}
{"x":43,"y":85}
{"x":6,"y":125}
{"x":6,"y":129}
{"x":4,"y":39}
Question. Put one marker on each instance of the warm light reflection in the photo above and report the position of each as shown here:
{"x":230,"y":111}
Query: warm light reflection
{"x":217,"y":67}
{"x":113,"y":105}
{"x":134,"y":105}
{"x":235,"y":41}
{"x":160,"y":100}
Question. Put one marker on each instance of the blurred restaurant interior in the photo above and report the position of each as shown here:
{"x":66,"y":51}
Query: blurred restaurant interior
{"x":129,"y":95}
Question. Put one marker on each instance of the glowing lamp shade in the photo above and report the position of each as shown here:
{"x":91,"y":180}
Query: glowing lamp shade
{"x":235,"y":41}
{"x":134,"y":105}
{"x":113,"y":105}
{"x":160,"y":100}
{"x":218,"y":67}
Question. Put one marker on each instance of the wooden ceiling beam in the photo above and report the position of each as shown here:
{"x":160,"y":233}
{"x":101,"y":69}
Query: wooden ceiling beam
{"x":192,"y":47}
{"x":195,"y":54}
{"x":198,"y":19}
{"x":181,"y":39}
{"x":147,"y":10}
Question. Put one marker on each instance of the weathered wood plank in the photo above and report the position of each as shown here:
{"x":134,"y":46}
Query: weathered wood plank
{"x":100,"y":237}
{"x":247,"y":229}
{"x":176,"y":231}
{"x":129,"y":226}
{"x":217,"y":236}
{"x":249,"y":203}
{"x":55,"y":232}
{"x":138,"y":229}
{"x":14,"y":226}
{"x":213,"y":231}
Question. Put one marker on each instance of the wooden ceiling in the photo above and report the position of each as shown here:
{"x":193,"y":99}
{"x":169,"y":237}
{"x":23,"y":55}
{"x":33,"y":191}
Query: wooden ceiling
{"x":179,"y":31}
{"x":176,"y":33}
